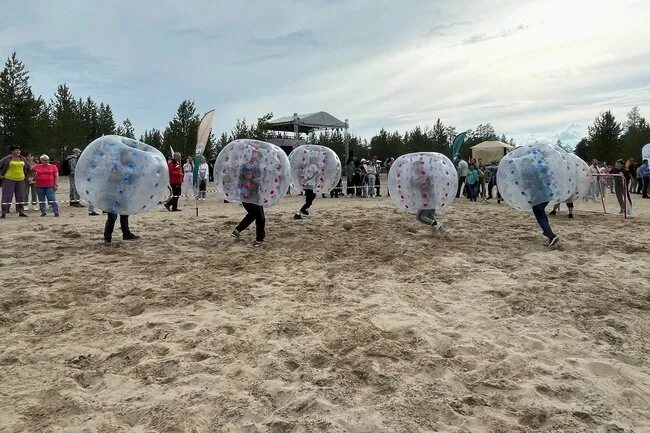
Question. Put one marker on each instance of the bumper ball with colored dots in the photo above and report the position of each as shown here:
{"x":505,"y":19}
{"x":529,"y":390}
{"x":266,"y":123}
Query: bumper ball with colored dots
{"x":535,"y":174}
{"x":121,"y":175}
{"x":314,"y":167}
{"x":252,"y":171}
{"x":424,"y":180}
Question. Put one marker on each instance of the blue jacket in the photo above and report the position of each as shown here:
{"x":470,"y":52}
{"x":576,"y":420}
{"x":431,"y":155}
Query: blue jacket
{"x":644,"y":170}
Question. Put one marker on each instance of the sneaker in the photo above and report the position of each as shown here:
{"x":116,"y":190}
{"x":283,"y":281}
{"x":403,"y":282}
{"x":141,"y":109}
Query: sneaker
{"x":93,"y":214}
{"x":305,"y":212}
{"x":235,"y":234}
{"x":553,"y":241}
{"x":176,"y":210}
{"x":107,"y":242}
{"x":552,"y":212}
{"x":43,"y":214}
{"x":258,"y":244}
{"x":167,"y":207}
{"x":570,"y":216}
{"x":56,"y":214}
{"x":22,"y":214}
{"x":297,"y":216}
{"x":130,"y":237}
{"x":2,"y":216}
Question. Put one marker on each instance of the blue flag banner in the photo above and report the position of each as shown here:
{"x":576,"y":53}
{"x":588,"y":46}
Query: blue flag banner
{"x":457,"y":144}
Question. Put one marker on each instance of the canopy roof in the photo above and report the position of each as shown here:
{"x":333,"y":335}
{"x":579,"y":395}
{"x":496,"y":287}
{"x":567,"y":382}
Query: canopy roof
{"x":305,"y":122}
{"x":493,"y":145}
{"x":491,"y":151}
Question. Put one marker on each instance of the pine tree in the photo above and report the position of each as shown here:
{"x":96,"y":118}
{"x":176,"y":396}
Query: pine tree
{"x":153,"y":138}
{"x":105,"y":120}
{"x":181,"y":134}
{"x":18,"y":107}
{"x":604,"y":138}
{"x":67,"y":126}
{"x":439,"y":138}
{"x":582,"y":150}
{"x":127,"y":129}
{"x":637,"y":134}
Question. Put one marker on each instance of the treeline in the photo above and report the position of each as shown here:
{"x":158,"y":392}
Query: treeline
{"x":609,"y":140}
{"x":57,"y":126}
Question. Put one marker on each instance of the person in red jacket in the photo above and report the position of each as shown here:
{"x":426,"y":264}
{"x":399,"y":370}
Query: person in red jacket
{"x":175,"y":181}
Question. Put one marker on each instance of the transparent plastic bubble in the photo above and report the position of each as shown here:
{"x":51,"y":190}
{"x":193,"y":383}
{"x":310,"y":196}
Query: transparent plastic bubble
{"x":121,"y":175}
{"x":425,"y":180}
{"x":534,"y":174}
{"x":252,"y":171}
{"x":582,"y":177}
{"x":314,"y":167}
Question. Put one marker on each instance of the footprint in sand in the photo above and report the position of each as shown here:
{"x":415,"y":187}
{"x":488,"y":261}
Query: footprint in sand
{"x":601,"y":369}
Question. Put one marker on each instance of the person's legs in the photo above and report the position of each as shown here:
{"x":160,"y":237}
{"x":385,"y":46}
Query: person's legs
{"x":377,"y":186}
{"x":249,"y":218}
{"x":8,"y":187}
{"x":542,"y":220}
{"x":19,"y":192}
{"x":32,"y":191}
{"x":40,"y":192}
{"x":74,"y":195}
{"x":51,"y":198}
{"x":109,"y":226}
{"x":260,"y":223}
{"x":309,"y":199}
{"x":461,"y":181}
{"x":426,"y":216}
{"x":172,"y":203}
{"x":646,"y":183}
{"x":570,"y":206}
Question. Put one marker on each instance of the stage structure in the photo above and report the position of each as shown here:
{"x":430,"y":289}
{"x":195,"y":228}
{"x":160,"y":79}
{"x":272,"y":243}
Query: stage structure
{"x":303,"y":124}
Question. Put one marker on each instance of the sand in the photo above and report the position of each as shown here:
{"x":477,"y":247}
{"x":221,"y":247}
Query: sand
{"x":383,"y":328}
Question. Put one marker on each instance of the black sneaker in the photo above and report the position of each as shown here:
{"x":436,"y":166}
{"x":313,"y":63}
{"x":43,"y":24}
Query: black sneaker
{"x":2,"y":216}
{"x":130,"y":237}
{"x":22,"y":214}
{"x":43,"y":214}
{"x":176,"y":210}
{"x":93,"y":214}
{"x":235,"y":234}
{"x":570,"y":216}
{"x":553,"y":241}
{"x":297,"y":216}
{"x":167,"y":207}
{"x":305,"y":212}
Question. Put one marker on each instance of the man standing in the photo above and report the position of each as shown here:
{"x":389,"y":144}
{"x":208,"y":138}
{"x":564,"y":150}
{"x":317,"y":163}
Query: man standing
{"x":462,"y":175}
{"x":175,"y":181}
{"x":644,"y":172}
{"x":72,"y":161}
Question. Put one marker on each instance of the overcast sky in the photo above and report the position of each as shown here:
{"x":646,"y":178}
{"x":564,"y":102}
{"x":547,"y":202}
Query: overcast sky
{"x":534,"y":69}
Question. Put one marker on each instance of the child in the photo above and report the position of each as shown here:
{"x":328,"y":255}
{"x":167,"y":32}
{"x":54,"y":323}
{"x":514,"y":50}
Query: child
{"x":249,"y":191}
{"x":472,"y":180}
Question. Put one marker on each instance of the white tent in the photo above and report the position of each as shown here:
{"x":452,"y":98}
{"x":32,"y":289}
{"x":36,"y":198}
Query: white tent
{"x":490,"y":151}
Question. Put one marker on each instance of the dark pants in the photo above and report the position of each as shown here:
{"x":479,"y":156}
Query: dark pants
{"x":377,"y":185}
{"x":542,"y":220}
{"x":350,"y":185}
{"x":11,"y":188}
{"x":173,"y":200}
{"x":472,"y":191}
{"x":255,"y":213}
{"x":110,"y":225}
{"x":309,"y":199}
{"x":621,"y":194}
{"x":645,"y":181}
{"x":461,"y":182}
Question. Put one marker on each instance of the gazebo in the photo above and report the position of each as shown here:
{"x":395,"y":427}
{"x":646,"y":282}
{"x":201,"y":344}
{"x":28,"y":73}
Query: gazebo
{"x":304,"y":124}
{"x":490,"y":151}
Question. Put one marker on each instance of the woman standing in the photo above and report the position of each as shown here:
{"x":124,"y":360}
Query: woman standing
{"x":188,"y":186}
{"x":47,"y":182}
{"x":14,"y":170}
{"x":472,"y":179}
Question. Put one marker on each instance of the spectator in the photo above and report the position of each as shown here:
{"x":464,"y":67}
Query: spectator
{"x":644,"y":170}
{"x":622,"y":194}
{"x":188,"y":172}
{"x":72,"y":161}
{"x":349,"y":172}
{"x":30,"y":187}
{"x":473,"y":178}
{"x":13,"y":172}
{"x":462,"y":175}
{"x":175,"y":181}
{"x":371,"y":177}
{"x":203,"y":178}
{"x":47,"y":182}
{"x":377,"y":165}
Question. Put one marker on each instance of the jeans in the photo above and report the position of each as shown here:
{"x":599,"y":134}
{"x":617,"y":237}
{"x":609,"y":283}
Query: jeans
{"x":371,"y":185}
{"x":9,"y":189}
{"x":50,"y":194}
{"x":110,"y":225}
{"x":645,"y":181}
{"x":472,"y":191}
{"x":173,"y":200}
{"x":255,"y":213}
{"x":426,"y":216}
{"x":542,"y":219}
{"x":309,"y":199}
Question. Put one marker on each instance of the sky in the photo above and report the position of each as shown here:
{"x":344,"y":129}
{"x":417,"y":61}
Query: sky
{"x":536,"y":70}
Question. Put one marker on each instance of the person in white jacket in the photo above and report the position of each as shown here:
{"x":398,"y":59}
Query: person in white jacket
{"x":188,"y":185}
{"x":203,"y":174}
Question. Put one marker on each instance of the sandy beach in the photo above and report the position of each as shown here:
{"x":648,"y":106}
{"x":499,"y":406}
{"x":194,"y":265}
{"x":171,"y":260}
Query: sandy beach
{"x":383,"y":328}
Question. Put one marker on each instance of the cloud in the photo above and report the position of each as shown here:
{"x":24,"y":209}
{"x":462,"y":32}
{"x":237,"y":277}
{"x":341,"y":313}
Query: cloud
{"x":446,"y":28}
{"x":482,"y":37}
{"x":297,"y":38}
